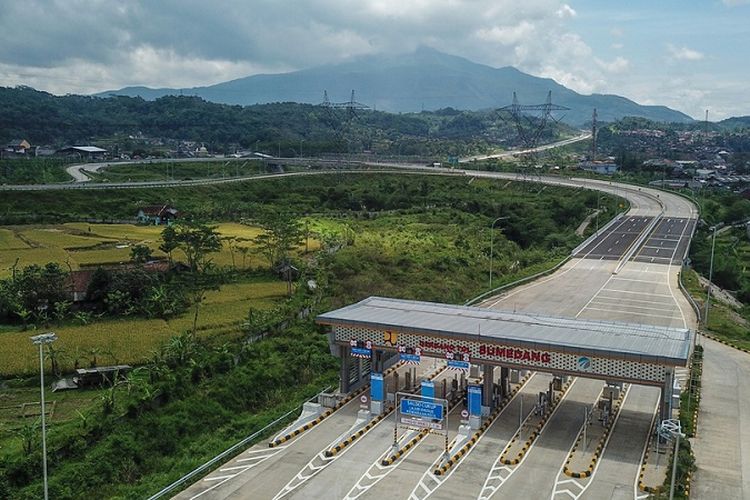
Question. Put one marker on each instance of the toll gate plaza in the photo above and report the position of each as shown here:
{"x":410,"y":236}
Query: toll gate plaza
{"x":377,"y":332}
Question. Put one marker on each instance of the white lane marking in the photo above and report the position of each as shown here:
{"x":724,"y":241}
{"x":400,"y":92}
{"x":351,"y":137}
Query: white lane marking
{"x":622,"y":299}
{"x":590,"y":479}
{"x":257,"y":457}
{"x":645,"y":294}
{"x":637,"y":496}
{"x":637,"y":280}
{"x":669,"y":267}
{"x":555,"y":275}
{"x":603,"y":302}
{"x":378,"y":471}
{"x":662,"y":316}
{"x":439,"y":480}
{"x":500,"y":473}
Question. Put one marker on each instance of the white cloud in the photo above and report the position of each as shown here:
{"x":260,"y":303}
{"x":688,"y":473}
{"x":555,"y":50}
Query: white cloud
{"x":616,"y":32}
{"x":735,"y":3}
{"x":617,"y":46}
{"x":566,"y":11}
{"x":154,"y":67}
{"x":684,"y":53}
{"x":191,"y":43}
{"x":617,"y":65}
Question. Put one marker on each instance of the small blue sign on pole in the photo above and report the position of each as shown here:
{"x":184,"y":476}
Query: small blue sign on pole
{"x":475,"y":400}
{"x":361,"y":352}
{"x":428,"y":389}
{"x":377,"y":388}
{"x":458,"y":365}
{"x":422,"y":409}
{"x":410,"y":358}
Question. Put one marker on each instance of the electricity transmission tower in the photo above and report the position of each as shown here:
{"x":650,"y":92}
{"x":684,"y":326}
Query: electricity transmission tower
{"x":530,"y":121}
{"x":339,"y":115}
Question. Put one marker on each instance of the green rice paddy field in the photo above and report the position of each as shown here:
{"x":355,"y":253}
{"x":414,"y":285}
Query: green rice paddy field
{"x":128,"y":340}
{"x":80,"y":245}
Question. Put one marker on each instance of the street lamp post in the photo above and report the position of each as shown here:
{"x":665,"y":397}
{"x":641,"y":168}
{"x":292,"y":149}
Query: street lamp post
{"x":41,"y":341}
{"x":492,"y":239}
{"x":710,"y":279}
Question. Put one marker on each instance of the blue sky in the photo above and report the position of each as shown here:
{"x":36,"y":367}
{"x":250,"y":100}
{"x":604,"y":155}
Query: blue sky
{"x":690,"y":55}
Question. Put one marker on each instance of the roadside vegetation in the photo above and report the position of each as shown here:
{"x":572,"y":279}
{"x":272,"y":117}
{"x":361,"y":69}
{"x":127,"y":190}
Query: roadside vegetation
{"x":180,"y":171}
{"x":33,"y":171}
{"x":253,"y":352}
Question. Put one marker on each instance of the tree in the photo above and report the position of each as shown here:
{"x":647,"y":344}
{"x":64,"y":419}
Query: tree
{"x":196,"y":240}
{"x":98,"y":286}
{"x":282,"y":233}
{"x":169,"y":241}
{"x":140,"y":254}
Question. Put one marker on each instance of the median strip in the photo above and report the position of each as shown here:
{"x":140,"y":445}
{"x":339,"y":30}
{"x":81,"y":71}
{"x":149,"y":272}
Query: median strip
{"x":598,"y":450}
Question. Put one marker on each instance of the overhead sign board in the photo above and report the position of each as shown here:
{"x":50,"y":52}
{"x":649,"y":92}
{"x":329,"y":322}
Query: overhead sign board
{"x":361,"y":352}
{"x":458,"y":365}
{"x":422,"y":409}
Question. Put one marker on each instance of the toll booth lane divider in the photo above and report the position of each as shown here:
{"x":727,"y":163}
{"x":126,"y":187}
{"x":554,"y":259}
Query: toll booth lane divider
{"x":535,"y":433}
{"x":412,"y":442}
{"x":330,"y":411}
{"x":599,"y":447}
{"x":346,"y":442}
{"x":641,"y":485}
{"x":453,"y":460}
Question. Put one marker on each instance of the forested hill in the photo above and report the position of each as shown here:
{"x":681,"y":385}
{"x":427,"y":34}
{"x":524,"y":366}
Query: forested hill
{"x":43,"y":118}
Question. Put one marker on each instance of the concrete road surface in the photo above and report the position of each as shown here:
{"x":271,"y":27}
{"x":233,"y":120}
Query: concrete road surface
{"x":722,"y":444}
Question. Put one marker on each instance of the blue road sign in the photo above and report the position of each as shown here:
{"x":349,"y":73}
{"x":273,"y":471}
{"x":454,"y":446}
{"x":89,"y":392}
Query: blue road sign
{"x":361,"y":352}
{"x":410,"y":358}
{"x":422,"y":409}
{"x":458,"y":365}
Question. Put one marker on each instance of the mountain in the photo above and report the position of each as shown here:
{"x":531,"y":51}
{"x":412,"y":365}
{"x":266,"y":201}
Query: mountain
{"x":735,"y":122}
{"x":425,"y":79}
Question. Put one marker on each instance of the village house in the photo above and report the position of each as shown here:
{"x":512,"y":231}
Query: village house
{"x":157,"y":215}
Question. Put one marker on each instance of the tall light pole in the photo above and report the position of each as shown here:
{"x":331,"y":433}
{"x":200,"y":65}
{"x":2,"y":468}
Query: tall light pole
{"x":492,"y":239}
{"x":41,"y":340}
{"x":710,"y":279}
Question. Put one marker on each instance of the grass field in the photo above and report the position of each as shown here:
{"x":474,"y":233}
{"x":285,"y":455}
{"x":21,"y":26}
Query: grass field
{"x":81,"y":244}
{"x":131,"y":340}
{"x":177,"y":170}
{"x":724,"y":321}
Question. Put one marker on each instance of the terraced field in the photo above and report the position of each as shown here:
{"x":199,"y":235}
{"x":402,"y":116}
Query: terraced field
{"x":81,"y":244}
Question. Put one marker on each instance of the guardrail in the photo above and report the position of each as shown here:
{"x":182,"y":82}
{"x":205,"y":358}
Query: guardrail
{"x":228,"y":452}
{"x":518,"y":282}
{"x":687,"y":295}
